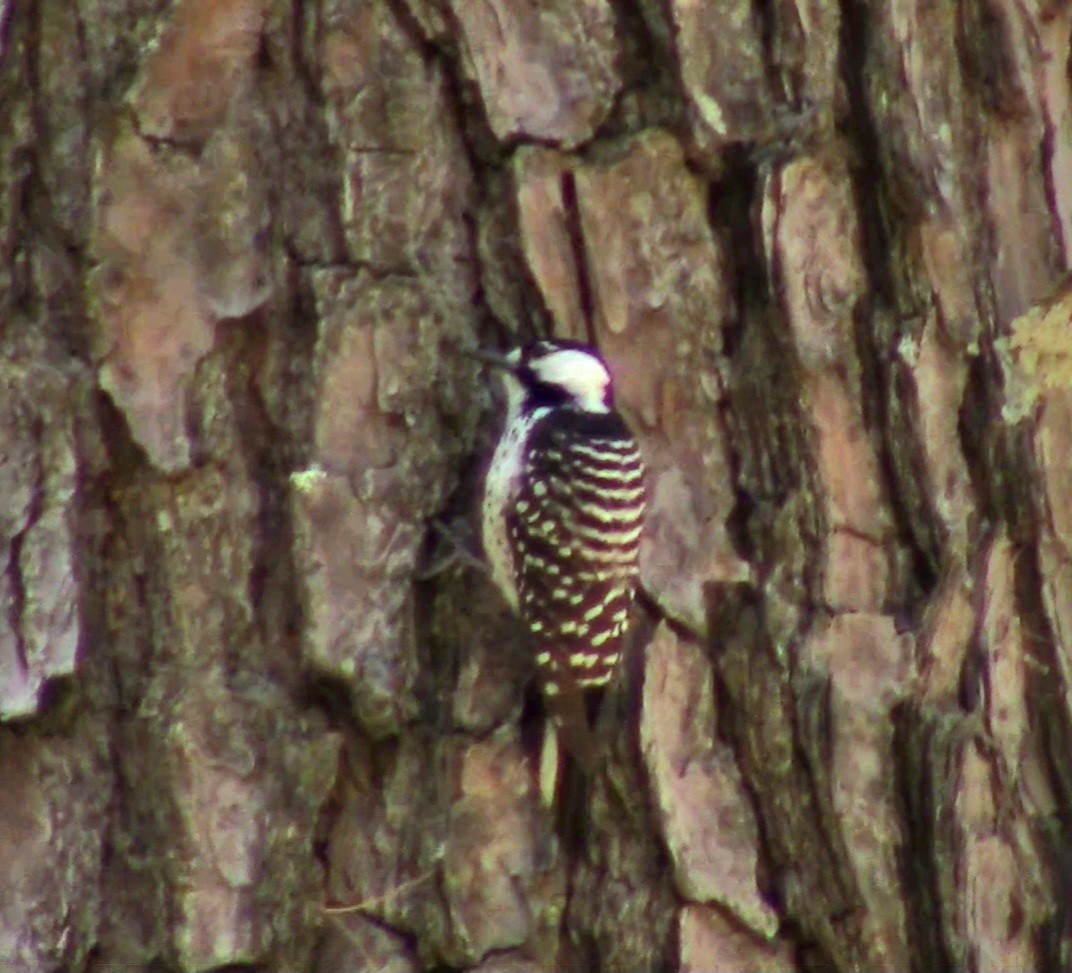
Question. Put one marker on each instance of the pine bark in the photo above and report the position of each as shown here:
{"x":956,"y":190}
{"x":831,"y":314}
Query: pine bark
{"x":255,"y":709}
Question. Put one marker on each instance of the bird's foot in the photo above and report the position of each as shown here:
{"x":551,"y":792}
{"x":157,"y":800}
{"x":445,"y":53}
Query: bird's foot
{"x":455,"y":547}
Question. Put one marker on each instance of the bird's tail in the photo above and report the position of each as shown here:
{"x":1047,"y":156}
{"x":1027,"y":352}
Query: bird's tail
{"x":568,"y":762}
{"x":567,"y":731}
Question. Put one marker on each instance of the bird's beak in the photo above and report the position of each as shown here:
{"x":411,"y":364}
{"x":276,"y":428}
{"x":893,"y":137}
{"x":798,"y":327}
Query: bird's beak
{"x":492,"y":358}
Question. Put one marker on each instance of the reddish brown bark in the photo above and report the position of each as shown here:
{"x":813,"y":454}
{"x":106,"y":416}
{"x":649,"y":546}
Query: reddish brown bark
{"x":242,"y":246}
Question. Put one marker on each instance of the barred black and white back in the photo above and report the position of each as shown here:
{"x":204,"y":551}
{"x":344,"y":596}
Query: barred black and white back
{"x":563,"y":514}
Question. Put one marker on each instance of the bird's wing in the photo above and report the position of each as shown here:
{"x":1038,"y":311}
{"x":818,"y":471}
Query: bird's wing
{"x":576,"y":532}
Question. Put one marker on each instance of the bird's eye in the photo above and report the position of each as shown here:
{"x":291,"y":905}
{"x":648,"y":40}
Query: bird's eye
{"x":543,"y":393}
{"x":540,"y":392}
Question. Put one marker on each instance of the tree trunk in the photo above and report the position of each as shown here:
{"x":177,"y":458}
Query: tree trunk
{"x":252,"y":714}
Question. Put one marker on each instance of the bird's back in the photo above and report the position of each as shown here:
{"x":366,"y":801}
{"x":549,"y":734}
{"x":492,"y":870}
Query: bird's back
{"x":575,"y":530}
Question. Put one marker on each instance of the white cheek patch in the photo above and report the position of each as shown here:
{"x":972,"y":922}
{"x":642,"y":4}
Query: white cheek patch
{"x":584,"y":377}
{"x":515,"y":394}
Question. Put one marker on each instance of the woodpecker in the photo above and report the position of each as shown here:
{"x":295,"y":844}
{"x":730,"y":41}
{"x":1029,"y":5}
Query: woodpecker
{"x":563,"y":512}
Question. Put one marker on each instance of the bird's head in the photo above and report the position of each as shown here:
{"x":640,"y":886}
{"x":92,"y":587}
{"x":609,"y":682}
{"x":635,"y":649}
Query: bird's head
{"x":554,"y":374}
